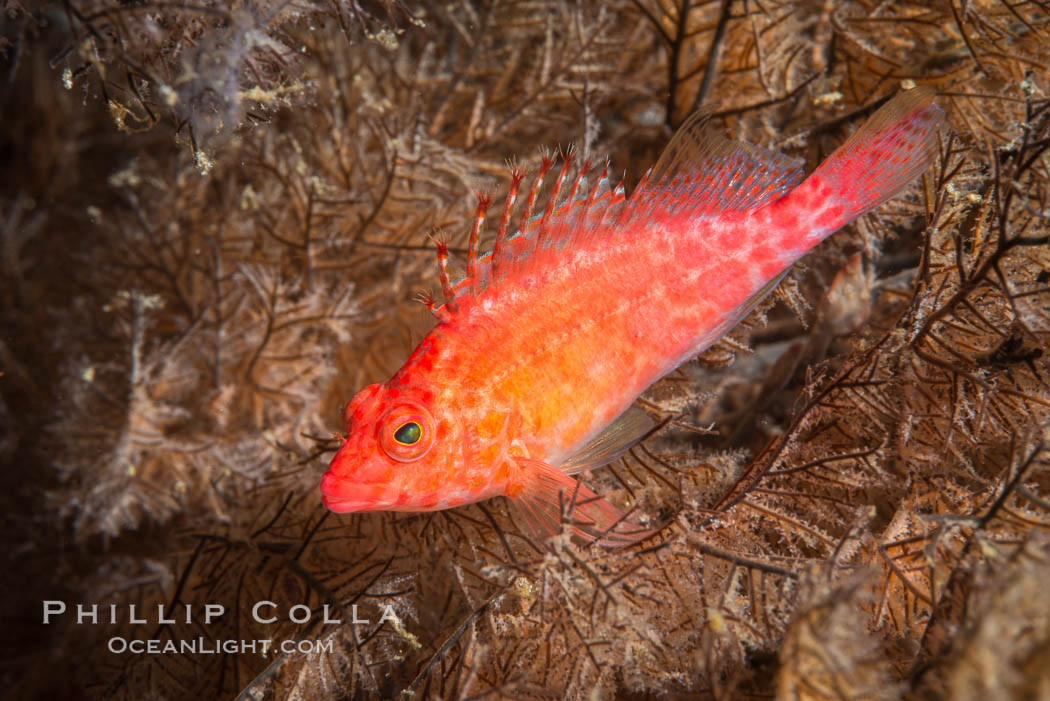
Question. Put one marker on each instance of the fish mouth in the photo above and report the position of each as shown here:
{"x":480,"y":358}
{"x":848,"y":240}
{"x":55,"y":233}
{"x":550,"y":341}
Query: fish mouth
{"x":343,"y":498}
{"x":341,"y":505}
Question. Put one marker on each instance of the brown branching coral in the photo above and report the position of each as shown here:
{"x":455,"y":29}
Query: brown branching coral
{"x":1001,"y":653}
{"x":825,"y":653}
{"x":852,"y":490}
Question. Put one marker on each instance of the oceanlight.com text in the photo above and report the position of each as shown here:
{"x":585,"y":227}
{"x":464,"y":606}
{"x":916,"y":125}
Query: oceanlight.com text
{"x":204,"y":646}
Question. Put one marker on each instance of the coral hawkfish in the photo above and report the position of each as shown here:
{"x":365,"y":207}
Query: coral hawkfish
{"x":530,"y":374}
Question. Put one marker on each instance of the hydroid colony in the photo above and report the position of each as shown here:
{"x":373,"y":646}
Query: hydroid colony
{"x":215,"y":222}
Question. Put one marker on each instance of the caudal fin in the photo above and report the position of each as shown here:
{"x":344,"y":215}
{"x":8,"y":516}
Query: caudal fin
{"x":894,"y":147}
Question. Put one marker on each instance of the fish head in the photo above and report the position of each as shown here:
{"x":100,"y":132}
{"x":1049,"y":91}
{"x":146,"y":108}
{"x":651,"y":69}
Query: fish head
{"x":400,"y":454}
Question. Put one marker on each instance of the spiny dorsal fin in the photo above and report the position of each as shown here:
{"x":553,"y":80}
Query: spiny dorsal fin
{"x":589,"y":204}
{"x":701,"y":173}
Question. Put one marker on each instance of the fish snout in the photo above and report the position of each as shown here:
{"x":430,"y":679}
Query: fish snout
{"x":344,"y":496}
{"x":354,"y":485}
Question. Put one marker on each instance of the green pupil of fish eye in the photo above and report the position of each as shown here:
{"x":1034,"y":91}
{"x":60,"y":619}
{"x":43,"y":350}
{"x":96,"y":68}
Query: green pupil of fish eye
{"x":408,"y":433}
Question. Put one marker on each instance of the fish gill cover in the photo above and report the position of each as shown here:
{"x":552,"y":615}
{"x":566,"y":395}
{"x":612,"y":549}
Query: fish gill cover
{"x":215,"y":220}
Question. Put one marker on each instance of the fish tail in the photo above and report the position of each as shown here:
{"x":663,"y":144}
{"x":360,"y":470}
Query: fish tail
{"x":896,"y":145}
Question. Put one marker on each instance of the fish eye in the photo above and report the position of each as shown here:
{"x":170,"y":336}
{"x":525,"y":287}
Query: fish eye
{"x":406,"y":433}
{"x":409,"y":433}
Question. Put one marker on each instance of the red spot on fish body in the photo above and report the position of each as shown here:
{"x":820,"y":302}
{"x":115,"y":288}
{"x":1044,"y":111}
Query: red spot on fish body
{"x":829,"y":218}
{"x":787,"y":219}
{"x":769,"y":261}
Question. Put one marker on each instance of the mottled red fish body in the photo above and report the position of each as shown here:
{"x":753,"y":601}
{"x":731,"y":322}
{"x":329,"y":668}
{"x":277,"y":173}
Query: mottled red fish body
{"x":554,"y":335}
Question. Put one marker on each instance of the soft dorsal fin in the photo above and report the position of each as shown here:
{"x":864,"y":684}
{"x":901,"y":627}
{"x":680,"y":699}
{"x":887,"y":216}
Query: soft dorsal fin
{"x":617,"y":438}
{"x":702,"y":173}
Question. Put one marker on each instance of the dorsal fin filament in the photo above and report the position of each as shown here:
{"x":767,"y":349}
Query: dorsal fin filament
{"x":570,"y":199}
{"x":591,"y":195}
{"x":446,"y":282}
{"x":553,"y":200}
{"x":516,"y":176}
{"x":618,"y":195}
{"x":472,"y":248}
{"x":537,"y":182}
{"x":426,"y":299}
{"x":440,"y":313}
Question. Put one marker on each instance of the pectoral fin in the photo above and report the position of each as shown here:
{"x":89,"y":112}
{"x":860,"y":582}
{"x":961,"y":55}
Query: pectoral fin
{"x":552,"y":500}
{"x":617,"y":438}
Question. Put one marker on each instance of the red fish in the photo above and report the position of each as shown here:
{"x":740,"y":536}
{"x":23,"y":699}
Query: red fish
{"x":530,"y":374}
